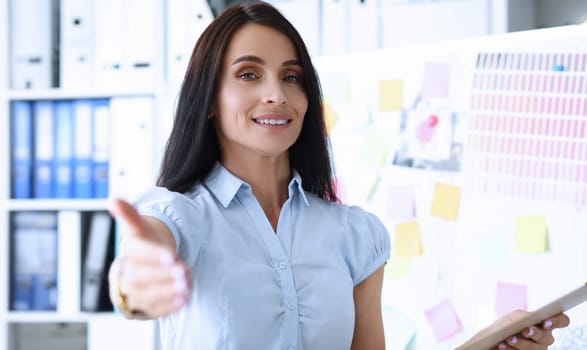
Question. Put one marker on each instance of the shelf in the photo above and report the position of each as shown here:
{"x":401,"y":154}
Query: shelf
{"x":55,"y":317}
{"x":61,"y":94}
{"x":57,"y":204}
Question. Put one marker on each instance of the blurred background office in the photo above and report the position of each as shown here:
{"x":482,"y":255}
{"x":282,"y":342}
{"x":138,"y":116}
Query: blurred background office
{"x":461,"y":123}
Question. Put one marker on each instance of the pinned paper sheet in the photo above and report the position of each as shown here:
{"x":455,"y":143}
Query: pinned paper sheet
{"x":444,"y":320}
{"x":336,"y":86}
{"x":400,"y":203}
{"x":407,"y":240}
{"x":375,"y":149}
{"x":510,"y":297}
{"x":531,"y":234}
{"x":400,"y":330}
{"x":390,"y":95}
{"x":446,"y":201}
{"x":330,"y":116}
{"x":397,"y":267}
{"x":436,"y":80}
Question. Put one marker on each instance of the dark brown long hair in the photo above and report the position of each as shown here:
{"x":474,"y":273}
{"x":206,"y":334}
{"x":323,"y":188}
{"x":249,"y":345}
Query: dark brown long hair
{"x":192,"y":148}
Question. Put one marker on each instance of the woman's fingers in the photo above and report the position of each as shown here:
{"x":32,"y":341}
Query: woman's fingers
{"x":558,"y":321}
{"x":153,"y":287}
{"x":536,"y":337}
{"x":539,"y":335}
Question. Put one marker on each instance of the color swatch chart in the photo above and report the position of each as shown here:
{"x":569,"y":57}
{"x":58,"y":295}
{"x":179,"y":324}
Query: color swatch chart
{"x":527,"y":127}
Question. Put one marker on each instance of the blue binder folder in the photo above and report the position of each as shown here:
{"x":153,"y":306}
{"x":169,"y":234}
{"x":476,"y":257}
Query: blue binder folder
{"x":82,"y":155}
{"x":22,"y":149}
{"x":34,"y":268}
{"x":44,"y":156}
{"x":63,"y":149}
{"x":101,"y":148}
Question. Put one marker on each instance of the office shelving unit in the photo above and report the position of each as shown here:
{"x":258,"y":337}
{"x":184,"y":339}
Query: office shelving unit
{"x":109,"y":330}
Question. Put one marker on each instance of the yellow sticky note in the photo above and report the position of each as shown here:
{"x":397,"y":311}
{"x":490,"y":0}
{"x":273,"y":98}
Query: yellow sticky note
{"x":446,"y":201}
{"x":531,"y":234}
{"x":390,"y":95}
{"x":407,"y":240}
{"x":396,"y":267}
{"x":330,"y":116}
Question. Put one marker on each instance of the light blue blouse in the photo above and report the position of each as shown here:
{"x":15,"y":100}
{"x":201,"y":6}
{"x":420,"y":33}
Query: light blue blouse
{"x":258,"y":290}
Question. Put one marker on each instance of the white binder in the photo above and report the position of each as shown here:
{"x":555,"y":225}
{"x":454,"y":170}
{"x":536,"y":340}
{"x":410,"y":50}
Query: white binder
{"x":76,"y":64}
{"x":444,"y":20}
{"x":305,"y":16}
{"x":143,"y":49}
{"x":186,"y":20}
{"x":132,"y":167}
{"x":333,"y":28}
{"x":363,"y":25}
{"x":31,"y":43}
{"x":109,"y":43}
{"x":69,"y":267}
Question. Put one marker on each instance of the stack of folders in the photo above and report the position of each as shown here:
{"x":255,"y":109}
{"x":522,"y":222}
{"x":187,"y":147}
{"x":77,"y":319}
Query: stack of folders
{"x":98,"y":254}
{"x":104,"y":44}
{"x":60,"y":149}
{"x":87,"y":44}
{"x":34,"y":261}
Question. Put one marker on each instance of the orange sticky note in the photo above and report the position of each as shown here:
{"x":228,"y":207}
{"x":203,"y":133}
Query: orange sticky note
{"x":531,"y":234}
{"x":330,"y":116}
{"x":445,"y":203}
{"x":407,"y":240}
{"x":390,"y":95}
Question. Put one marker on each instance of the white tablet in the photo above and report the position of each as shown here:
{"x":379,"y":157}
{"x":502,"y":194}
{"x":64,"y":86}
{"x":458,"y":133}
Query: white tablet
{"x":535,"y":317}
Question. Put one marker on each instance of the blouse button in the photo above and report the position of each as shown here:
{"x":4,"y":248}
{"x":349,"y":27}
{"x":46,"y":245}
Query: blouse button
{"x":291,"y":306}
{"x":282,"y":265}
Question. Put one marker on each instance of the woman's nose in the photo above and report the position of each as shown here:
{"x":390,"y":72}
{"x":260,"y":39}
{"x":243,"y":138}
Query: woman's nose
{"x":274,"y":93}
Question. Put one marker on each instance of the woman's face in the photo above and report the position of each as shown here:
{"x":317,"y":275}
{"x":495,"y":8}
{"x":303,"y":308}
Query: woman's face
{"x":261,"y":103}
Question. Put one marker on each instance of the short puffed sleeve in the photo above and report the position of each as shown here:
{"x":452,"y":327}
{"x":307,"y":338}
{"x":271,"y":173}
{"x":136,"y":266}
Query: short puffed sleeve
{"x":369,"y":246}
{"x":182,"y":215}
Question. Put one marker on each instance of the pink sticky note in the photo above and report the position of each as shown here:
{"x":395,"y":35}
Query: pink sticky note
{"x":510,"y":297}
{"x":436,"y":80}
{"x":444,"y":320}
{"x":401,"y":203}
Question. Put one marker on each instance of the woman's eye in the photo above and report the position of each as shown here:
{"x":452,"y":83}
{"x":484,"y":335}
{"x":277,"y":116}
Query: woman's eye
{"x":291,"y":78}
{"x":247,"y":76}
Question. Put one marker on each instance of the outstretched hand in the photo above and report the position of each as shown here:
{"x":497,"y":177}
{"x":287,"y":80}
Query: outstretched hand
{"x":147,"y":280}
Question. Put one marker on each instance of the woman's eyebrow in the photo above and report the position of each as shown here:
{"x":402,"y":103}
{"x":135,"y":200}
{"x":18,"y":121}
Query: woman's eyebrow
{"x":292,"y":63}
{"x":250,"y":58}
{"x":259,"y":60}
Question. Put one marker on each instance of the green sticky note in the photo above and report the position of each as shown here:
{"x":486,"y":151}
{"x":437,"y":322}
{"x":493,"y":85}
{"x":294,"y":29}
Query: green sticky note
{"x":397,"y":267}
{"x":531,"y":234}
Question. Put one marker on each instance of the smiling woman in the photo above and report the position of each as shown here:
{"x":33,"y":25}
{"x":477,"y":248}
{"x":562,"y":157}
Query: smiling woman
{"x":261,"y":103}
{"x":243,"y":243}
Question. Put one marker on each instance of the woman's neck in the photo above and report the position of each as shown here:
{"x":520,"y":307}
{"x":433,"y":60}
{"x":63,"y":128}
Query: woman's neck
{"x":269,"y":179}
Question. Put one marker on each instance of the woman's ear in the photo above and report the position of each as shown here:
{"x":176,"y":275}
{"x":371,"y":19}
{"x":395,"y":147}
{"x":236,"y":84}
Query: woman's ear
{"x":212,"y":113}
